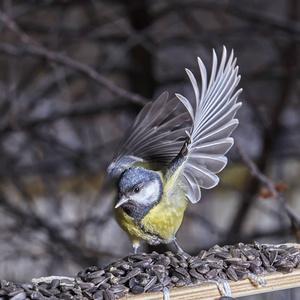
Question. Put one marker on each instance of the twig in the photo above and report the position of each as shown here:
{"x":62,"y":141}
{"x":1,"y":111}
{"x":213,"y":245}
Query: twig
{"x":265,"y":180}
{"x":32,"y":47}
{"x":76,"y":110}
{"x":235,"y":9}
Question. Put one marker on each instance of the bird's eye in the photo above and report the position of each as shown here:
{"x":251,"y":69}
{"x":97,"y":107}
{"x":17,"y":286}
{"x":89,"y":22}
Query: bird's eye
{"x":136,"y":189}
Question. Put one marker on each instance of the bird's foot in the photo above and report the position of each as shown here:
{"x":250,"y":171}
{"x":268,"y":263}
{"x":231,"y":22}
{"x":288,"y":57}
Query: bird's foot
{"x":180,"y":251}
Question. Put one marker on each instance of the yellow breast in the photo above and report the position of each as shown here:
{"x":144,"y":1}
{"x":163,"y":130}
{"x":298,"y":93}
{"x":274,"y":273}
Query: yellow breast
{"x":162,"y":221}
{"x":165,"y":218}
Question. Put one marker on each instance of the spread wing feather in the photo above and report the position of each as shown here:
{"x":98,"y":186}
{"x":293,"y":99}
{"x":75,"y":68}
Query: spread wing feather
{"x":213,"y":122}
{"x":156,"y":136}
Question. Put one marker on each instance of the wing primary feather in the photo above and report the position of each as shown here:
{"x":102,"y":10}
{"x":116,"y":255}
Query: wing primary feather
{"x":213,"y":122}
{"x":204,"y":80}
{"x":194,"y":84}
{"x":187,"y":105}
{"x":157,"y":135}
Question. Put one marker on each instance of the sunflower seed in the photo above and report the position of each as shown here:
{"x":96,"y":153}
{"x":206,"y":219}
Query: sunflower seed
{"x":120,"y":295}
{"x":167,"y":281}
{"x":134,"y":272}
{"x":195,"y":274}
{"x":143,"y":281}
{"x":270,"y":269}
{"x":114,"y":280}
{"x":216,"y":265}
{"x":231,"y":274}
{"x":137,"y":289}
{"x":293,"y":251}
{"x":156,"y":287}
{"x":125,"y":266}
{"x":160,"y":275}
{"x":256,"y":262}
{"x":174,"y":261}
{"x":36,"y":295}
{"x":19,"y":296}
{"x":248,"y":254}
{"x":142,"y":275}
{"x":180,"y":283}
{"x":222,"y":275}
{"x":96,"y":274}
{"x":241,"y":265}
{"x":56,"y":291}
{"x":15,"y":292}
{"x":284,"y":269}
{"x":233,"y":260}
{"x":105,"y":286}
{"x":116,"y":264}
{"x":196,"y":263}
{"x":132,"y":283}
{"x":55,"y":283}
{"x":66,"y":296}
{"x":241,"y":274}
{"x":174,"y":279}
{"x":182,"y":271}
{"x":255,"y":252}
{"x":202,"y":254}
{"x":264,"y":260}
{"x":108,"y":295}
{"x":99,"y":295}
{"x":203,"y":269}
{"x":280,"y":262}
{"x":141,"y":257}
{"x":257,"y":245}
{"x":159,"y":268}
{"x":151,"y":282}
{"x":99,"y":280}
{"x":212,"y":273}
{"x":165,"y":261}
{"x":254,"y":269}
{"x":118,"y":272}
{"x":154,"y":256}
{"x":87,"y":294}
{"x":235,"y":252}
{"x":141,"y":264}
{"x":223,"y":254}
{"x":44,"y":292}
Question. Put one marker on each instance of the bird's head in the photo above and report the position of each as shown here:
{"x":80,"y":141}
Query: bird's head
{"x":139,"y":190}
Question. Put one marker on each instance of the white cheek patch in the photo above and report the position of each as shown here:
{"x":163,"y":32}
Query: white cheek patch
{"x":148,"y":194}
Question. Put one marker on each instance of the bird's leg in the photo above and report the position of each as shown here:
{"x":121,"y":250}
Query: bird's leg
{"x":179,"y":250}
{"x":177,"y":246}
{"x":135,"y":248}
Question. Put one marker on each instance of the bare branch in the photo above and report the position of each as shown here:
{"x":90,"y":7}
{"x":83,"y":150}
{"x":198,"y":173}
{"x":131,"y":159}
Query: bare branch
{"x":240,"y":11}
{"x":266,"y":181}
{"x":33,"y":48}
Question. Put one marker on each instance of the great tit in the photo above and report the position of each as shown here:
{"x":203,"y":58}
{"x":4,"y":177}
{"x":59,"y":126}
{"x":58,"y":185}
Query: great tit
{"x":161,"y":163}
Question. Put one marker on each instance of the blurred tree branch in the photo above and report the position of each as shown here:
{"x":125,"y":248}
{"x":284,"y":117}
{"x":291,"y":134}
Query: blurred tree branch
{"x":270,"y":185}
{"x":31,"y":47}
{"x":270,"y":132}
{"x":238,"y":10}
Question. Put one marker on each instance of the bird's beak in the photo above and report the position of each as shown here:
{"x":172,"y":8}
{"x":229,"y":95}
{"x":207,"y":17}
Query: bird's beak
{"x":122,"y":201}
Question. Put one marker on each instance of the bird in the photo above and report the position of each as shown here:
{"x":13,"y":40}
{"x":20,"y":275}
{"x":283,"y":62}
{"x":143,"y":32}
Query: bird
{"x":165,"y":159}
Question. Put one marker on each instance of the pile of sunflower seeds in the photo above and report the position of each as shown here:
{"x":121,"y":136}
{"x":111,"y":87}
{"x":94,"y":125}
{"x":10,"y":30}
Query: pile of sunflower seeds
{"x":139,"y":273}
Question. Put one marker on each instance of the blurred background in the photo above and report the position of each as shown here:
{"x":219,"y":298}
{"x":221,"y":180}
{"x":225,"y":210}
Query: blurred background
{"x":73,"y":76}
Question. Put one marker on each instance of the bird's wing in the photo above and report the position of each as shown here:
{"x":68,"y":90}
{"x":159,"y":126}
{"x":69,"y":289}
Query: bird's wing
{"x":213,"y":122}
{"x":156,"y":136}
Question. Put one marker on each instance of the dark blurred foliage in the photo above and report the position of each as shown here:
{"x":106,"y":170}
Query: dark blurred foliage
{"x":74,"y":74}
